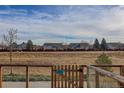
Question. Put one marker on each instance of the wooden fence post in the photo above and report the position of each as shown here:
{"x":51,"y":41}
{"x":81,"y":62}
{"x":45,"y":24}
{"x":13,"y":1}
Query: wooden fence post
{"x":55,"y":77}
{"x":97,"y":80}
{"x":88,"y":83}
{"x":27,"y":77}
{"x":52,"y":76}
{"x":81,"y":80}
{"x":69,"y":75}
{"x":122,"y":74}
{"x":0,"y":77}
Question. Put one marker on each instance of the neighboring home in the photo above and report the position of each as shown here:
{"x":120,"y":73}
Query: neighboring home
{"x":121,"y":46}
{"x":53,"y":46}
{"x":65,"y":47}
{"x":37,"y":47}
{"x":78,"y":46}
{"x":3,"y":47}
{"x":91,"y":47}
{"x":22,"y":46}
{"x":115,"y":45}
{"x":14,"y":46}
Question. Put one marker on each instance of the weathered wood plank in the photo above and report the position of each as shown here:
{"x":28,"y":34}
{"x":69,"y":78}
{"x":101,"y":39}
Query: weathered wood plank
{"x":122,"y":74}
{"x":55,"y":77}
{"x":20,"y":65}
{"x":107,"y":73}
{"x":72,"y":76}
{"x":66,"y":77}
{"x":0,"y":77}
{"x":58,"y":77}
{"x":52,"y":77}
{"x":97,"y":79}
{"x":27,"y":76}
{"x":62,"y":76}
{"x":88,"y":81}
{"x":81,"y":80}
{"x":76,"y":76}
{"x":69,"y":75}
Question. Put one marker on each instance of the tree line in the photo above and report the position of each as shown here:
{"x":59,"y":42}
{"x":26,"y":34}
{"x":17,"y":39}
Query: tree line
{"x":98,"y":46}
{"x":11,"y":37}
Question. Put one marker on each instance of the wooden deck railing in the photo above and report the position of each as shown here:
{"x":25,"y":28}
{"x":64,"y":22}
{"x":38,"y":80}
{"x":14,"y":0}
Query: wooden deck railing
{"x":109,"y":74}
{"x":27,"y":71}
{"x":64,"y":67}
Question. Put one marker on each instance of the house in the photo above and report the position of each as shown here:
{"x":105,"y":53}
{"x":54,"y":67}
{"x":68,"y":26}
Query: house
{"x":37,"y":47}
{"x":115,"y":45}
{"x":53,"y":46}
{"x":3,"y":47}
{"x":121,"y":46}
{"x":22,"y":46}
{"x":14,"y":46}
{"x":79,"y":46}
{"x":65,"y":47}
{"x":91,"y":47}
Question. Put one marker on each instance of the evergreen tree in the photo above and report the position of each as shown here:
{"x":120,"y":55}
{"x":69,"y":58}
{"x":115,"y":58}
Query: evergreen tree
{"x":96,"y":45}
{"x":103,"y":44}
{"x":29,"y":45}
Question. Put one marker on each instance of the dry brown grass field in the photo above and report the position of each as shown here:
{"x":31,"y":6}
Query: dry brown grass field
{"x":55,"y":58}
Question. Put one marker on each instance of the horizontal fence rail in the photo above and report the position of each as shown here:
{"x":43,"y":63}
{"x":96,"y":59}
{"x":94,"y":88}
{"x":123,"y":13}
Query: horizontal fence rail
{"x":29,"y":65}
{"x":98,"y":71}
{"x":107,"y":73}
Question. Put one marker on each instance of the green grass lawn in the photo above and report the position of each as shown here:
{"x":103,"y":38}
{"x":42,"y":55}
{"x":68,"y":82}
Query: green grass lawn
{"x":16,"y":77}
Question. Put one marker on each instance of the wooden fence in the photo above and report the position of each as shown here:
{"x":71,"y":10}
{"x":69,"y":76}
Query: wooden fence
{"x":68,"y":76}
{"x":101,"y":72}
{"x":27,"y":71}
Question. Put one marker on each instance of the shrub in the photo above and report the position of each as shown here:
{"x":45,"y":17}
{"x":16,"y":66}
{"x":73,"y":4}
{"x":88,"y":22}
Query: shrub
{"x":103,"y":59}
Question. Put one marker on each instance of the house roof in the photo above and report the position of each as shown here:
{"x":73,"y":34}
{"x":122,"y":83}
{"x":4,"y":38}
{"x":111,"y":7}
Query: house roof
{"x":115,"y":45}
{"x":52,"y":43}
{"x":78,"y":45}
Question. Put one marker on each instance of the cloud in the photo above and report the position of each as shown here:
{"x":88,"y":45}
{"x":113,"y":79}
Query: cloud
{"x":71,"y":23}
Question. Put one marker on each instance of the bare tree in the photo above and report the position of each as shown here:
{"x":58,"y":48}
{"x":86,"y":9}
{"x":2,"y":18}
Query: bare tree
{"x":10,"y":38}
{"x":2,"y":45}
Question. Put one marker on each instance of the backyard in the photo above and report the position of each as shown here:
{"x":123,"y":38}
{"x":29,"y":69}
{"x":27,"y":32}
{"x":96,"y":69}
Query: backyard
{"x":55,"y":58}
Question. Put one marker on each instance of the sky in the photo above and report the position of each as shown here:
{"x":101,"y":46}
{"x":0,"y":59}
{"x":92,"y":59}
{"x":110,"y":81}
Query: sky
{"x":63,"y":24}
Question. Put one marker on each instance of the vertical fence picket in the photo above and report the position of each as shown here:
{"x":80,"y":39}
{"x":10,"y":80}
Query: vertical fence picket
{"x":76,"y":76}
{"x":62,"y":76}
{"x":81,"y":77}
{"x":52,"y":77}
{"x":27,"y":76}
{"x":55,"y":77}
{"x":58,"y":76}
{"x":72,"y":76}
{"x":0,"y":77}
{"x":69,"y":75}
{"x":66,"y":77}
